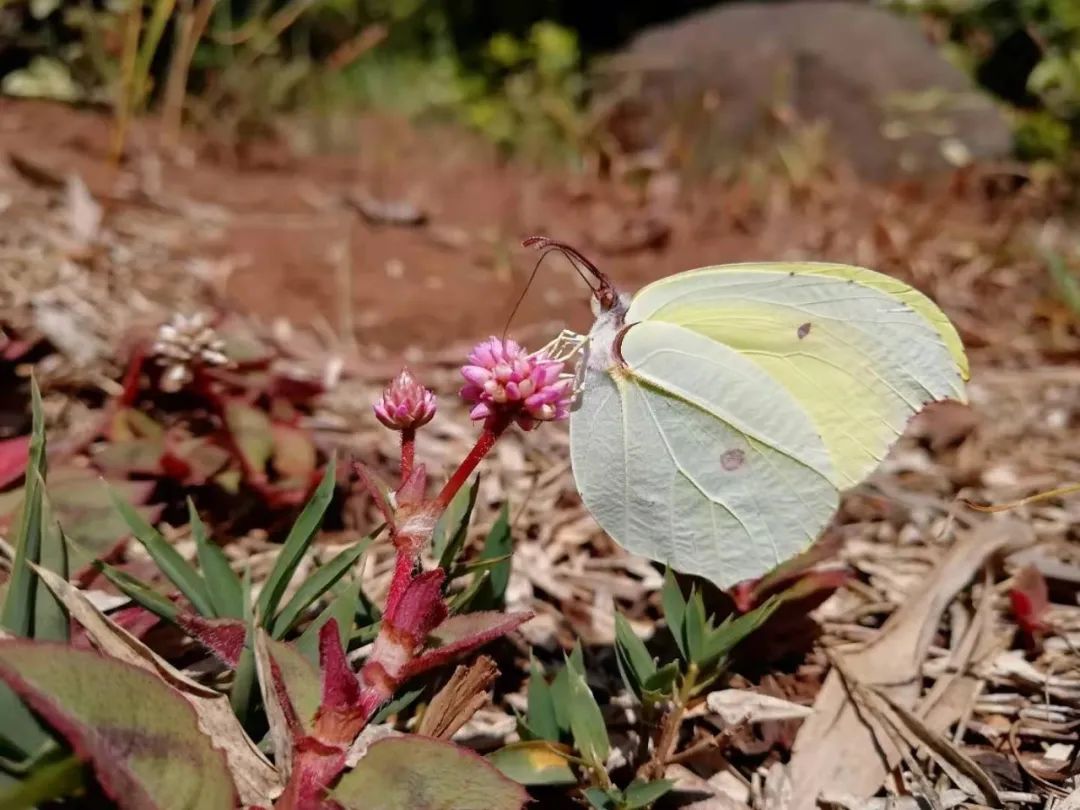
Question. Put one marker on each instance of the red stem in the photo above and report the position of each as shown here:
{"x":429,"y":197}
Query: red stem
{"x":493,"y":429}
{"x":408,"y":453}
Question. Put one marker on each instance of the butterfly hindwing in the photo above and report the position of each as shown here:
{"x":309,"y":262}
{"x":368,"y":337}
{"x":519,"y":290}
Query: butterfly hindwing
{"x":693,"y":455}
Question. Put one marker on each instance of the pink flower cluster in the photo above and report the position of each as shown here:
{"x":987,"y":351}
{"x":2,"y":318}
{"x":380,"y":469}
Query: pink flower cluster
{"x":504,"y":378}
{"x":405,"y":404}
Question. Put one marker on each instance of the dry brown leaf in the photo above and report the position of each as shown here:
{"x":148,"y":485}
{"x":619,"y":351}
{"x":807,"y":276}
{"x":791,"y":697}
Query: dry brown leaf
{"x":276,"y":714}
{"x":737,"y":706}
{"x":695,"y":793}
{"x":256,"y":780}
{"x":838,"y":749}
{"x":459,"y":700}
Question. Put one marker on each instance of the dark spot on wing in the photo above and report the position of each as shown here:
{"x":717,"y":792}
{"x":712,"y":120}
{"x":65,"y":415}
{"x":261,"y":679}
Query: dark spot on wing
{"x":732,"y":459}
{"x":803,"y":330}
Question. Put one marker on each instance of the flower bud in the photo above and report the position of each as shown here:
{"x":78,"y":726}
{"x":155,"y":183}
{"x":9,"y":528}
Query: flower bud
{"x":405,"y":404}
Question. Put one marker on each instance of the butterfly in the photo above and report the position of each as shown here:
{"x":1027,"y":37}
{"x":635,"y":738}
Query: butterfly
{"x":723,"y":410}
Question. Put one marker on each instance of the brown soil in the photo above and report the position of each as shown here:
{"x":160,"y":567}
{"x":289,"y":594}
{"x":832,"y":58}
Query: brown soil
{"x":299,"y":247}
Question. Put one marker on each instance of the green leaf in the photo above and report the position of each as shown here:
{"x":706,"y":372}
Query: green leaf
{"x":138,"y":456}
{"x":18,"y":613}
{"x":602,"y":799}
{"x":561,"y":697}
{"x":586,"y":721}
{"x":45,"y":783}
{"x":674,"y":610}
{"x":222,"y":583}
{"x":412,"y":772}
{"x":723,"y":639}
{"x":301,"y":680}
{"x":252,"y":432}
{"x":296,"y":544}
{"x":50,"y":616}
{"x":635,"y":664}
{"x":642,"y":794}
{"x":533,"y":762}
{"x":168,"y":559}
{"x":141,"y":736}
{"x":498,"y":546}
{"x":452,"y":527}
{"x":658,"y":685}
{"x":139,"y":592}
{"x":695,"y":626}
{"x":398,"y":705}
{"x":343,"y":608}
{"x":315,"y":586}
{"x":540,"y":716}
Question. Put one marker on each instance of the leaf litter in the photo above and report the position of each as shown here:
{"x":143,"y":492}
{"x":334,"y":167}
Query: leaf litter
{"x":926,"y":683}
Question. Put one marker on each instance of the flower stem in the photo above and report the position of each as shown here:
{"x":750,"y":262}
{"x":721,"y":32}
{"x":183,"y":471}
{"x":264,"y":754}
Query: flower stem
{"x":408,"y":452}
{"x":494,"y":427}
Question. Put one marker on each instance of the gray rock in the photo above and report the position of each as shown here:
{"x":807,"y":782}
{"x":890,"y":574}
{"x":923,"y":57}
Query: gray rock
{"x":714,"y":80}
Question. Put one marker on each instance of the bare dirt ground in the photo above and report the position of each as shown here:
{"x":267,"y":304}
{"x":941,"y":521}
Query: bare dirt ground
{"x":409,"y":246}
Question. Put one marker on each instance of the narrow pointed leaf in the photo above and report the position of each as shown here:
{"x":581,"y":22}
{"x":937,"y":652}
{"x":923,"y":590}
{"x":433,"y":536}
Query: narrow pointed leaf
{"x":411,"y":772}
{"x":18,"y":613}
{"x":635,"y":664}
{"x":723,"y":639}
{"x":168,"y":559}
{"x":540,"y":715}
{"x":642,"y":794}
{"x":296,"y":543}
{"x":140,"y":593}
{"x":674,"y":610}
{"x":50,"y":618}
{"x":695,"y":626}
{"x":452,"y":528}
{"x":342,"y":609}
{"x":315,"y":586}
{"x":141,"y":737}
{"x":397,"y":705}
{"x":222,"y":583}
{"x":586,"y":721}
{"x":497,"y":547}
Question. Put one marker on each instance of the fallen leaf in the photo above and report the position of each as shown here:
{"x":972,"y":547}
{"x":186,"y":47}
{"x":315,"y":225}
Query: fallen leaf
{"x":737,"y":706}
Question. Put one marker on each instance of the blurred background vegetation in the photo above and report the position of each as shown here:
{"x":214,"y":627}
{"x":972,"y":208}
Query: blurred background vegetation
{"x":515,"y":72}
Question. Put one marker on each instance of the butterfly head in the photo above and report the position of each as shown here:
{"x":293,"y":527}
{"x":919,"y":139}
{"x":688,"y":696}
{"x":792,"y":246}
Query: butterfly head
{"x":605,"y":297}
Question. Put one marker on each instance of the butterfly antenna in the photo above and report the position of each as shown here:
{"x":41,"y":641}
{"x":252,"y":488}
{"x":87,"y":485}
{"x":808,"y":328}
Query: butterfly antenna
{"x":603,"y":292}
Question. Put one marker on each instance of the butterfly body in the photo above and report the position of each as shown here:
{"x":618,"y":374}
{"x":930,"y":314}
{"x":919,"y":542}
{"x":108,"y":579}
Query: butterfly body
{"x":723,"y":410}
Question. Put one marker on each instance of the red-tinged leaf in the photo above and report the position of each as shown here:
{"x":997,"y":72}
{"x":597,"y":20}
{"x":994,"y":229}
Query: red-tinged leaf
{"x":194,"y":461}
{"x":420,"y":607}
{"x":295,"y":389}
{"x":340,"y":713}
{"x":223,"y":637}
{"x":300,"y":680}
{"x":295,"y":458}
{"x":131,"y":457}
{"x":251,"y":433}
{"x":141,"y":737}
{"x":316,"y":765}
{"x":285,"y":726}
{"x":463,"y":633}
{"x":82,"y":507}
{"x":1030,"y":598}
{"x":413,"y":772}
{"x":255,"y":779}
{"x":130,"y":423}
{"x":15,"y":349}
{"x":13,"y":457}
{"x":378,"y":489}
{"x":135,"y":620}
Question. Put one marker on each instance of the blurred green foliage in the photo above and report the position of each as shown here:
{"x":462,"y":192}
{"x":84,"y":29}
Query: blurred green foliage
{"x":1026,"y":51}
